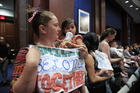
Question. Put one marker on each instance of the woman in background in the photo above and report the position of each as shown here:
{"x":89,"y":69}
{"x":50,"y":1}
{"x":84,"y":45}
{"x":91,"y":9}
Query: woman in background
{"x":4,"y":60}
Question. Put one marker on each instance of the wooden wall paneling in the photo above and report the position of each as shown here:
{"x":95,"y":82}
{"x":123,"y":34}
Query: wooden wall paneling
{"x":135,"y":38}
{"x":16,"y":18}
{"x":36,"y":3}
{"x":93,"y":14}
{"x":21,"y":23}
{"x":10,"y":35}
{"x":10,"y":29}
{"x":44,"y":4}
{"x":103,"y":15}
{"x":2,"y":32}
{"x":125,"y":29}
{"x":132,"y":33}
{"x":97,"y":16}
{"x":1,"y":28}
{"x":30,"y":3}
{"x":137,"y":31}
{"x":62,"y":9}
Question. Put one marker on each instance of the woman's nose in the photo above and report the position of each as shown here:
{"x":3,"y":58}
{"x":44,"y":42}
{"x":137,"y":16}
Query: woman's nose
{"x":59,"y":29}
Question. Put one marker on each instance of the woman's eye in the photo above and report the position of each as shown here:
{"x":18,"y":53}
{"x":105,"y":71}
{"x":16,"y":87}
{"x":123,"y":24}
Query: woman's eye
{"x":67,"y":28}
{"x":56,"y":25}
{"x":72,"y":27}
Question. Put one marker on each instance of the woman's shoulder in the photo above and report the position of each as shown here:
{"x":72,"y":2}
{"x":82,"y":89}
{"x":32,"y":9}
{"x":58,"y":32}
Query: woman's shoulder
{"x":23,"y":50}
{"x":103,"y":44}
{"x":20,"y":58}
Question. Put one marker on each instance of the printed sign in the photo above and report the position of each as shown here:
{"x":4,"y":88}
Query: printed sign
{"x":60,"y":70}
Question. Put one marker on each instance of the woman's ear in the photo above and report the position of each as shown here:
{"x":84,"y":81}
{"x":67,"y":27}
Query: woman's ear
{"x":42,"y":29}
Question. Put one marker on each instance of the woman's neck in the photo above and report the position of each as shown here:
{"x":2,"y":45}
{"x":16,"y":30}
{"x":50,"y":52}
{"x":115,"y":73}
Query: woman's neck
{"x":61,"y":37}
{"x":45,"y":43}
{"x":106,"y":40}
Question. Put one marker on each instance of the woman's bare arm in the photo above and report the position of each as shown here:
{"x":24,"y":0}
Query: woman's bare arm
{"x":27,"y":81}
{"x":106,"y":49}
{"x":91,"y":71}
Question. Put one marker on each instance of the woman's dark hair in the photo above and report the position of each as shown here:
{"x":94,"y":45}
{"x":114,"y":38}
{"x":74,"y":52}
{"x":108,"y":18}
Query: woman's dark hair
{"x":108,"y":31}
{"x":66,"y":22}
{"x":91,"y":41}
{"x":41,"y":17}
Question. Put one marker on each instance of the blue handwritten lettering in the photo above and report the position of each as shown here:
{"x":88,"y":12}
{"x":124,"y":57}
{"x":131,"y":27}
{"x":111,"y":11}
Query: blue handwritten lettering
{"x":66,"y":65}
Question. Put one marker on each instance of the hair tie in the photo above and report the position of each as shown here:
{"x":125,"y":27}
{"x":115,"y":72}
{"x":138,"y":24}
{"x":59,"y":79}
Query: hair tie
{"x":33,"y":15}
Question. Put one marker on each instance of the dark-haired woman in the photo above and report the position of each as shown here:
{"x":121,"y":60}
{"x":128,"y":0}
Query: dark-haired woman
{"x":91,"y":41}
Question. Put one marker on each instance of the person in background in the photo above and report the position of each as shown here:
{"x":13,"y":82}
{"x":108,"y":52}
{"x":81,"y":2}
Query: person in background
{"x":4,"y":60}
{"x":139,"y":46}
{"x":136,"y":49}
{"x":114,"y":49}
{"x":131,"y":50}
{"x":91,"y":41}
{"x":107,"y":36}
{"x":127,"y":55}
{"x":118,"y":53}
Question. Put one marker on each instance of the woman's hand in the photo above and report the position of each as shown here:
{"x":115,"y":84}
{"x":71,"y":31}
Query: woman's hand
{"x":101,"y":72}
{"x":83,"y":51}
{"x":33,"y":56}
{"x":82,"y":48}
{"x":104,"y":72}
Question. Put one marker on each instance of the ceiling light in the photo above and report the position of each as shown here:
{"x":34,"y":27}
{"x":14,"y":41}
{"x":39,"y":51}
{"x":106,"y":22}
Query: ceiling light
{"x":131,"y":6}
{"x":126,"y":2}
{"x":1,"y":4}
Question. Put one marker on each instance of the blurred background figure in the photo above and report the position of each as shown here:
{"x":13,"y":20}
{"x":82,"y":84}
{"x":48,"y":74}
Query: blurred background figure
{"x":4,"y":60}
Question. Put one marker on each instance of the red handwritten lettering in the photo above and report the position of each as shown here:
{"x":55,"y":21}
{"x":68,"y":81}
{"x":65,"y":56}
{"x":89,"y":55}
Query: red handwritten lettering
{"x":72,"y":80}
{"x":67,"y":77}
{"x":79,"y":77}
{"x":55,"y":86}
{"x":47,"y":79}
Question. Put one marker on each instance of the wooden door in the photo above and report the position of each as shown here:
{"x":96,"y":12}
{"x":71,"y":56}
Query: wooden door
{"x":7,"y":30}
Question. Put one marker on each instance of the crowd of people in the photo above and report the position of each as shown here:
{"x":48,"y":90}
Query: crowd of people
{"x":109,"y":77}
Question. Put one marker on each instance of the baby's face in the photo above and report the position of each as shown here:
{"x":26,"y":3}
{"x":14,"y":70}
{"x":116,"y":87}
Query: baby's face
{"x":70,"y":28}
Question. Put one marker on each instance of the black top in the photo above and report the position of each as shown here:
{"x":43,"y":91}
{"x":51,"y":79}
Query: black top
{"x":3,"y":51}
